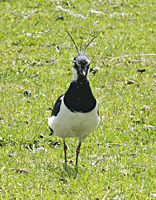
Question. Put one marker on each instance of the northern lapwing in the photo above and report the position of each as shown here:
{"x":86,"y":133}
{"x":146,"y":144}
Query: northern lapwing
{"x":75,"y":113}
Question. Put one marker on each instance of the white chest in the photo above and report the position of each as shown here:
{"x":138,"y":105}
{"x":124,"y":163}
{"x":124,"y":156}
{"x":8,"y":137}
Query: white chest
{"x":73,"y":124}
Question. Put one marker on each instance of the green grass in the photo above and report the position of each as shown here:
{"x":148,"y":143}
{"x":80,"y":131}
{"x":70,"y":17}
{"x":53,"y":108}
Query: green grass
{"x":118,"y":160}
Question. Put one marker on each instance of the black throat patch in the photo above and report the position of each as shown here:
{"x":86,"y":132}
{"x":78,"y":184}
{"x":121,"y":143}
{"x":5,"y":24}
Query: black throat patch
{"x":79,"y":97}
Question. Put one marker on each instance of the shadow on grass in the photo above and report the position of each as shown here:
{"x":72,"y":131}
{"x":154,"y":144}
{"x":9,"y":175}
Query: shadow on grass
{"x":71,"y":172}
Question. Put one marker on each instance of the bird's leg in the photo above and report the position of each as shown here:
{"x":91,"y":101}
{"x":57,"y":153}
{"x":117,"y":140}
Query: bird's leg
{"x":77,"y":153}
{"x":65,"y":149}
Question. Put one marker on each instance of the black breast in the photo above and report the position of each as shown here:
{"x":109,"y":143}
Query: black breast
{"x":79,"y":97}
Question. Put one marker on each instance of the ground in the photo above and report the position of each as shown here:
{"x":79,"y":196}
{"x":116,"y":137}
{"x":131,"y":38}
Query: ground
{"x":117,"y":160}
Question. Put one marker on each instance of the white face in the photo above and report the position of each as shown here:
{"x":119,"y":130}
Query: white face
{"x":80,"y":62}
{"x":81,"y":67}
{"x":80,"y":59}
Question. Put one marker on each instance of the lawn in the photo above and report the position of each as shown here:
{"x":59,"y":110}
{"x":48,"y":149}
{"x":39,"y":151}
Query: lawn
{"x":117,"y":160}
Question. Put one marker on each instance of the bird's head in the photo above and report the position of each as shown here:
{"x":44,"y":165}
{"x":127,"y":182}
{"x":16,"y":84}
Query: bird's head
{"x":81,"y":65}
{"x":81,"y":62}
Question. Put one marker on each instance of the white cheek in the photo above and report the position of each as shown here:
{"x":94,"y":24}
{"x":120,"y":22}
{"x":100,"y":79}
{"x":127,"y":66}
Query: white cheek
{"x":88,"y":61}
{"x":74,"y":74}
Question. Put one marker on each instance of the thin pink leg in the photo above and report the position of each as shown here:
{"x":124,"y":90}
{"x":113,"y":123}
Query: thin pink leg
{"x":77,"y":153}
{"x":65,"y":149}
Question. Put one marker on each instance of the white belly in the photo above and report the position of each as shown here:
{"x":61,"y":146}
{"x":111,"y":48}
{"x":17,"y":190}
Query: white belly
{"x":73,"y":124}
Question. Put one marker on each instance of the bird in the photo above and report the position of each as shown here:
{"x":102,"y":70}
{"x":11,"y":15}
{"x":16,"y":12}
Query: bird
{"x":75,"y":113}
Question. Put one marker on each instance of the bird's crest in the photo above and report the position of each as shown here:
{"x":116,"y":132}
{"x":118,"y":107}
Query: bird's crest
{"x":81,"y":43}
